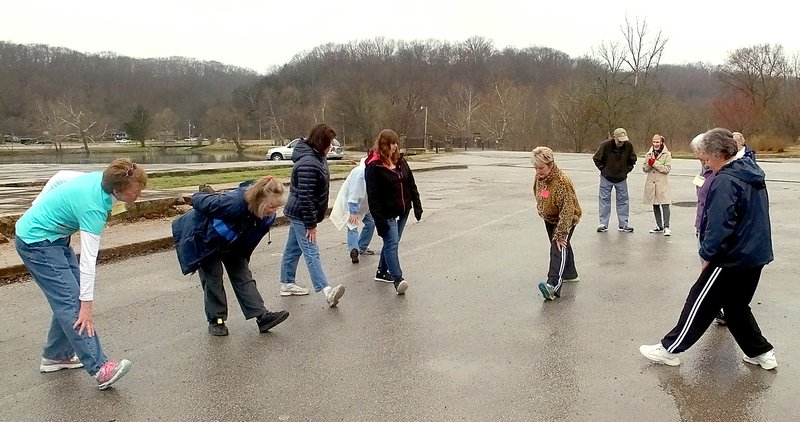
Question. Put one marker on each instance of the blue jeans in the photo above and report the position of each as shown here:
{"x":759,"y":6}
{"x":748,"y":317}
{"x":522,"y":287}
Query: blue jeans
{"x":354,"y":241}
{"x":296,"y":245}
{"x":622,"y":201}
{"x":390,"y":260}
{"x":55,"y":269}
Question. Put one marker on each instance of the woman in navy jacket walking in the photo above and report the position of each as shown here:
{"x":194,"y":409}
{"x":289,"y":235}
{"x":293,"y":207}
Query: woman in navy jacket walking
{"x":223,"y":229}
{"x":305,"y":208}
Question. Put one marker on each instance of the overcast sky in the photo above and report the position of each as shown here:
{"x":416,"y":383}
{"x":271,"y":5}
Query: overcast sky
{"x":259,"y":34}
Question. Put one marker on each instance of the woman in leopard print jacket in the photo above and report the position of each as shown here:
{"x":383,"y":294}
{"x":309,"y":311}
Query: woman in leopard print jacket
{"x":558,"y":205}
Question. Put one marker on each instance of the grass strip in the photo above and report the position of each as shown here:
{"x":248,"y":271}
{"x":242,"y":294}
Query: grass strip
{"x":171,"y":182}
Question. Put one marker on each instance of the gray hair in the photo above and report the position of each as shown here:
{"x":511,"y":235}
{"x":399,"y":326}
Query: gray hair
{"x":542,"y":155}
{"x":697,"y":143}
{"x":719,"y":143}
{"x":739,"y":138}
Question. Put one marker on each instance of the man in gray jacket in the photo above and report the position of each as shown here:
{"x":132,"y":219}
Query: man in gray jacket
{"x":615,"y":159}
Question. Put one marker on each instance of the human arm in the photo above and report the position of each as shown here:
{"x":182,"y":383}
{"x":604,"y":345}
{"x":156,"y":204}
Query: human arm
{"x":305,"y":178}
{"x":720,"y":217}
{"x":90,"y":246}
{"x":600,"y":157}
{"x":664,"y":163}
{"x":567,"y":208}
{"x":375,"y":199}
{"x":412,"y":188}
{"x":631,"y":157}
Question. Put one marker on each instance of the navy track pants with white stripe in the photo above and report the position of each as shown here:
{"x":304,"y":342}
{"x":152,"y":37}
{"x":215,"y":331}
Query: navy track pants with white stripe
{"x":562,"y":263}
{"x":729,"y":289}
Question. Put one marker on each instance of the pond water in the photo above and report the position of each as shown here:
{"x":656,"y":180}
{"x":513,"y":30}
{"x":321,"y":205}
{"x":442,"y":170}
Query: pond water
{"x":150,"y":157}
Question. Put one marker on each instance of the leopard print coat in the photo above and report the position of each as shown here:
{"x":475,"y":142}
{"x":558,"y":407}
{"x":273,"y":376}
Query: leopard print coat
{"x":557,"y":202}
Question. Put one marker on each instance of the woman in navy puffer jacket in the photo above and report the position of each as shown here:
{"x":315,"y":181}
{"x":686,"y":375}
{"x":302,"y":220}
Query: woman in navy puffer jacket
{"x":305,"y":208}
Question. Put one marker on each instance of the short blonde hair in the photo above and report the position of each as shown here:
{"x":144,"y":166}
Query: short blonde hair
{"x":542,"y":155}
{"x":739,"y":138}
{"x":263,"y":195}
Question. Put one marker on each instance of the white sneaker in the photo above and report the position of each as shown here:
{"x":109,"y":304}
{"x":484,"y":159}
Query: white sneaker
{"x":293,"y":289}
{"x":657,"y":353}
{"x":667,"y":232}
{"x":53,"y":365}
{"x":334,"y":295}
{"x":765,"y":360}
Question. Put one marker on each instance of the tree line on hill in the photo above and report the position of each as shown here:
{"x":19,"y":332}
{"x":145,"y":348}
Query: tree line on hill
{"x":467,"y":91}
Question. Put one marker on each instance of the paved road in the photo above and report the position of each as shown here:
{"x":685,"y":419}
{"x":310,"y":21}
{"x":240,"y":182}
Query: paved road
{"x":471,"y":340}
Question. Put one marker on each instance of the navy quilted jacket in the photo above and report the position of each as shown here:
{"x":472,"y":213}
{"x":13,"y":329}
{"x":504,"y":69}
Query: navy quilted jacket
{"x":308,"y":194}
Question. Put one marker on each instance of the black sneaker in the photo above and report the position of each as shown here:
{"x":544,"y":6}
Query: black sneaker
{"x":626,"y":229}
{"x":218,"y":328}
{"x":354,"y":255}
{"x":384,"y":277}
{"x":401,"y":286}
{"x":271,"y":319}
{"x":720,"y":319}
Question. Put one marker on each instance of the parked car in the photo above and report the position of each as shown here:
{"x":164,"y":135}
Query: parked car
{"x":336,"y":152}
{"x":285,"y":152}
{"x":122,"y":141}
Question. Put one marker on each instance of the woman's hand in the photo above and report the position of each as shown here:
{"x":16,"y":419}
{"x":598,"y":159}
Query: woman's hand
{"x":85,"y":319}
{"x":561,"y":244}
{"x":353,"y":220}
{"x":311,"y":235}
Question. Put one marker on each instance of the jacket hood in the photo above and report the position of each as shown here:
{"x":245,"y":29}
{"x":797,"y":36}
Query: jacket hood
{"x":304,"y":150}
{"x":747,"y":171}
{"x":372,"y":157}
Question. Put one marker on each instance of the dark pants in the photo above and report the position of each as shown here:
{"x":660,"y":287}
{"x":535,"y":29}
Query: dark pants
{"x":562,"y":262}
{"x":657,"y":210}
{"x":244,"y":286}
{"x":731,"y":289}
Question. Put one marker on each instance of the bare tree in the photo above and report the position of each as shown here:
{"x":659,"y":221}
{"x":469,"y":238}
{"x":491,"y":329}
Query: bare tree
{"x":643,"y":53}
{"x":759,"y":72}
{"x":458,"y":109}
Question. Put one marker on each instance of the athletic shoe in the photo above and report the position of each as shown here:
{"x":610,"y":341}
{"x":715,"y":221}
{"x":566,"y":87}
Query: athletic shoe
{"x":602,"y":228}
{"x":667,"y":232}
{"x":656,"y":230}
{"x":657,"y":353}
{"x":547,"y":291}
{"x":334,"y":295}
{"x":765,"y":360}
{"x":367,"y":251}
{"x":401,"y":286}
{"x":218,"y":328}
{"x":572,"y":280}
{"x":354,"y":255}
{"x":111,"y":372}
{"x":271,"y":319}
{"x":720,"y":319}
{"x":625,"y":229}
{"x":53,"y":365}
{"x":293,"y":289}
{"x":384,"y":277}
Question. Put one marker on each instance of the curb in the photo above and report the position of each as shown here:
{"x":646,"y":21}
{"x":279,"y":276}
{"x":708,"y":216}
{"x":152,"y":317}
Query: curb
{"x":11,"y":274}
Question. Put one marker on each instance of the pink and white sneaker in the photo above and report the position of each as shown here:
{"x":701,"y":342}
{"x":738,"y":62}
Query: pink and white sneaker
{"x":111,"y":372}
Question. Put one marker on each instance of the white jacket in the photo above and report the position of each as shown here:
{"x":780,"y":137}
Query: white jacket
{"x":353,"y":190}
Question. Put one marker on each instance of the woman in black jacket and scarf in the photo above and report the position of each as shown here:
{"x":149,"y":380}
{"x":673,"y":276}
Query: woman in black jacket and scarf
{"x":391,"y":193}
{"x":305,"y":208}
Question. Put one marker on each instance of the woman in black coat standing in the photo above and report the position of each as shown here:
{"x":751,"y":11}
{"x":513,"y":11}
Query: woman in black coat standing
{"x":391,"y":193}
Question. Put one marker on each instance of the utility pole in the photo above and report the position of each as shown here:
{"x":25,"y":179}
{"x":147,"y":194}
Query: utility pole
{"x":425,"y":132}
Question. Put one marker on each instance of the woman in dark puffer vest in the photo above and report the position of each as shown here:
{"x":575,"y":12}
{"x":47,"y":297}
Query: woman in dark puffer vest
{"x":305,"y":208}
{"x":391,"y":193}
